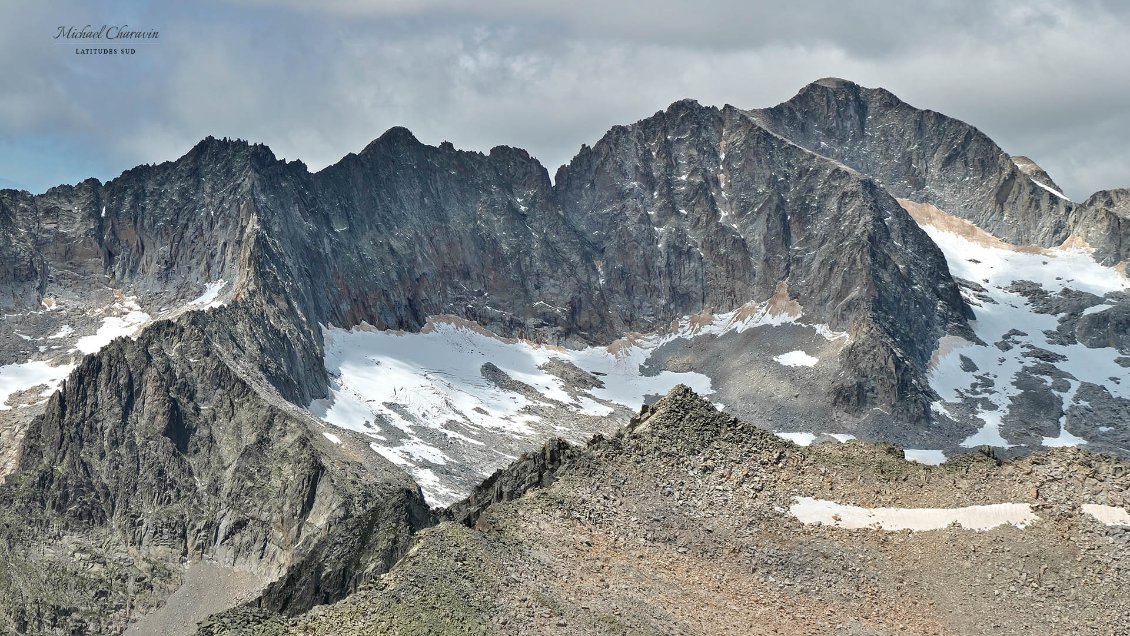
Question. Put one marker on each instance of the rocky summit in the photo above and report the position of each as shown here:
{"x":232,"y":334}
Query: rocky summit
{"x":390,"y":396}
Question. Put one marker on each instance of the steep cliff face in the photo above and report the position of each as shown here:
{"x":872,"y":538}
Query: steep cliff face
{"x":699,"y":208}
{"x":1104,"y":223}
{"x":924,"y":156}
{"x":161,"y":440}
{"x":410,"y":231}
{"x":156,"y":229}
{"x":22,"y":269}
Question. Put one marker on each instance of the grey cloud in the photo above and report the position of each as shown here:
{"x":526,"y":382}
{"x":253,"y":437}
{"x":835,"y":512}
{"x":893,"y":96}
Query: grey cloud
{"x":318,"y":80}
{"x":865,"y":26}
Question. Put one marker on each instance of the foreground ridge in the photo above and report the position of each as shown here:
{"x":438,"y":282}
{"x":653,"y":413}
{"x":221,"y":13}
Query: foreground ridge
{"x":687,"y":521}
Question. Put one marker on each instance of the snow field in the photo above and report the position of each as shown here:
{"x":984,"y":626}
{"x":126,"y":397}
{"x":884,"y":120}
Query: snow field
{"x":997,"y":268}
{"x":821,"y":511}
{"x":20,"y":377}
{"x":389,"y":385}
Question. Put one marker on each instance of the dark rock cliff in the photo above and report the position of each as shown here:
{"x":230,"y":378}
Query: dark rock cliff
{"x":697,"y":207}
{"x":1104,"y":222}
{"x":154,"y":228}
{"x":922,"y":155}
{"x":23,"y":271}
{"x":163,"y":441}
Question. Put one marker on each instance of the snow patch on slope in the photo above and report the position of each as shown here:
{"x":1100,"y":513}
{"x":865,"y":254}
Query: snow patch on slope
{"x":821,"y":511}
{"x":1108,"y":515}
{"x":800,"y":439}
{"x":991,"y":377}
{"x":923,"y":456}
{"x":21,"y":377}
{"x":1096,"y":309}
{"x":208,"y":300}
{"x":113,"y":327}
{"x":796,"y":359}
{"x":63,"y":332}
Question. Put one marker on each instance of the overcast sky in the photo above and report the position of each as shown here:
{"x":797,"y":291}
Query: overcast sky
{"x":1045,"y":79}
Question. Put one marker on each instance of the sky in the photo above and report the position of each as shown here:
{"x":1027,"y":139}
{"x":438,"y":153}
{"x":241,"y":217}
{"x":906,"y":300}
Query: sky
{"x":317,"y":80}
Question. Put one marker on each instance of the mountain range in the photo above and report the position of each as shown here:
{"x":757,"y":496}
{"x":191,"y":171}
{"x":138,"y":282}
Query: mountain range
{"x":228,"y":361}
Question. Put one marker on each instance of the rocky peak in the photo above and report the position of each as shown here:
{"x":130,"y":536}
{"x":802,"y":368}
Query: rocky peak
{"x":835,"y":83}
{"x":923,"y":156}
{"x":1032,"y":169}
{"x":1103,"y":221}
{"x":515,"y":165}
{"x":212,"y":157}
{"x":1116,"y":201}
{"x":686,"y":423}
{"x":681,"y":423}
{"x":685,"y":106}
{"x":680,"y":403}
{"x":397,"y":136}
{"x":845,"y":101}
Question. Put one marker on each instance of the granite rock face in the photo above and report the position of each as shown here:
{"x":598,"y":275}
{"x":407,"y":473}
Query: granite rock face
{"x":1104,"y":222}
{"x":697,"y":207}
{"x":930,"y":158}
{"x":161,"y":440}
{"x":154,"y":228}
{"x":924,"y":156}
{"x":22,"y":268}
{"x":1038,"y":174}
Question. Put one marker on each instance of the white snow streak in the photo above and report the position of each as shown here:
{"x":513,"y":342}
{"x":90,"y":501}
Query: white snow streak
{"x":1051,"y":189}
{"x":1096,"y":309}
{"x":1108,"y":515}
{"x":821,"y":511}
{"x":208,"y":298}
